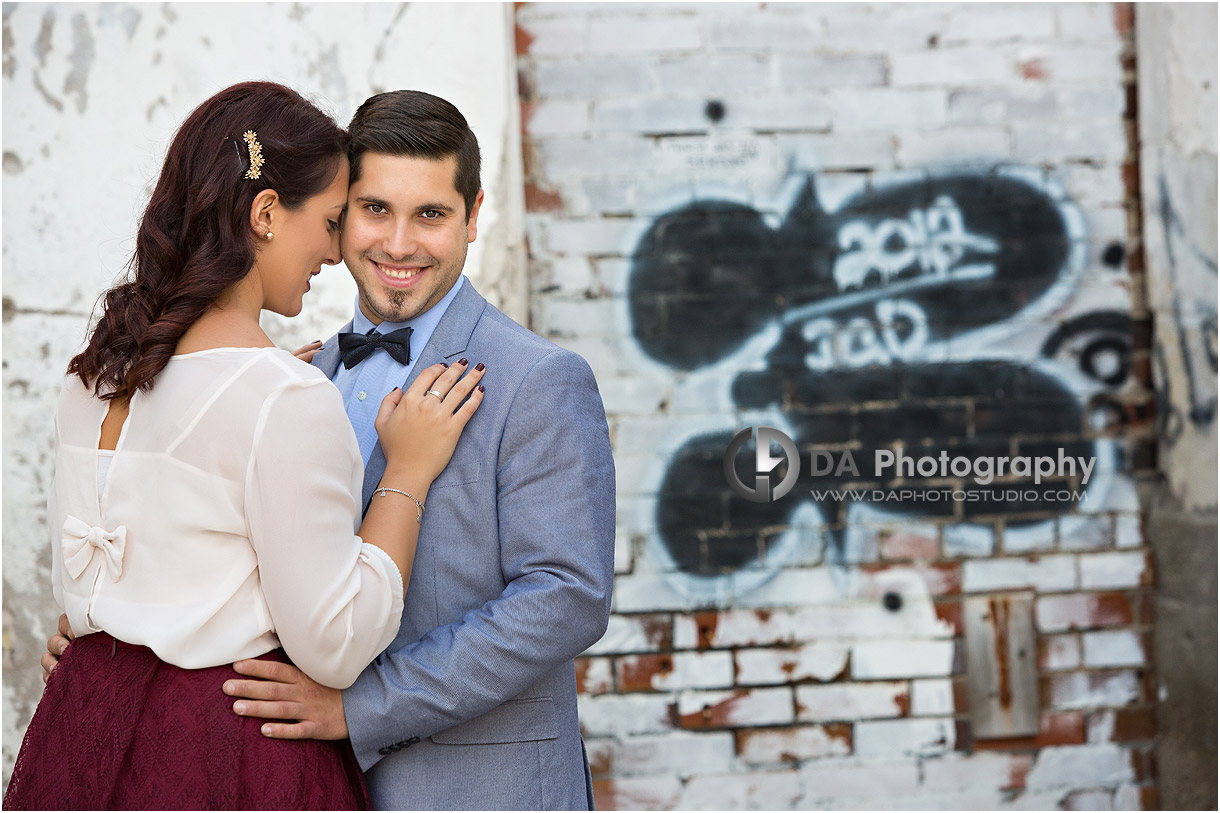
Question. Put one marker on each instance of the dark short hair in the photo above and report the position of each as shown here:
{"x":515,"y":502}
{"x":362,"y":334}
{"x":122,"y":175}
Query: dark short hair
{"x":417,"y":125}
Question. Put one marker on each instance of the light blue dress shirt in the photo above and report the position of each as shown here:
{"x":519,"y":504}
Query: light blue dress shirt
{"x":364,"y":385}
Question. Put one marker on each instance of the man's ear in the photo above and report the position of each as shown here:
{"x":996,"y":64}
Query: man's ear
{"x":263,"y":211}
{"x":472,"y":227}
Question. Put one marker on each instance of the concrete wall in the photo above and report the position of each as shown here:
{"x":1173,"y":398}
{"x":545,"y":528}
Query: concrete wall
{"x":1177,"y":124}
{"x":93,"y":94}
{"x":872,"y":226}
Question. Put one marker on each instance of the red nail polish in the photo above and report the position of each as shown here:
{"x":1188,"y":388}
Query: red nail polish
{"x":463,"y":362}
{"x":481,"y":388}
{"x":479,"y":366}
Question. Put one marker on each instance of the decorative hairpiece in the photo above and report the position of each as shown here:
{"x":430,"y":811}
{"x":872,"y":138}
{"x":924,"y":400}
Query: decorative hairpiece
{"x":256,"y":155}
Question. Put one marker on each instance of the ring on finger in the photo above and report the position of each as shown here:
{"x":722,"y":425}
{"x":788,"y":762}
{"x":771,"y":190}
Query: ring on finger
{"x":438,"y":394}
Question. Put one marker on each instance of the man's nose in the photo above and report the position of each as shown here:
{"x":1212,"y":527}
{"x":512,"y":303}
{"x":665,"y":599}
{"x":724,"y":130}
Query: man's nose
{"x":402,"y":241}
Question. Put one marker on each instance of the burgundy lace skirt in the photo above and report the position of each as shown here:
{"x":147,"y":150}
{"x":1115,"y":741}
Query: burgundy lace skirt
{"x":119,"y":729}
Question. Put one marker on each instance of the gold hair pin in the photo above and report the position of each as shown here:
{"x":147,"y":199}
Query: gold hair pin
{"x":256,"y":155}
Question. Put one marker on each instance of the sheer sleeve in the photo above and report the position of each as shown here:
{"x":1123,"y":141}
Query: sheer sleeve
{"x":334,"y":600}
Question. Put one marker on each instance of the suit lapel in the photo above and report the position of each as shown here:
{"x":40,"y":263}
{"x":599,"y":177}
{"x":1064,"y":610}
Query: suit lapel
{"x":448,"y":342}
{"x":327,"y":359}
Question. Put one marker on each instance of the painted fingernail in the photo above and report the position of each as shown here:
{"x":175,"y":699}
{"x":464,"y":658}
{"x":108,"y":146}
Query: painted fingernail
{"x":481,"y":388}
{"x":463,"y":362}
{"x":443,"y":364}
{"x":479,"y":367}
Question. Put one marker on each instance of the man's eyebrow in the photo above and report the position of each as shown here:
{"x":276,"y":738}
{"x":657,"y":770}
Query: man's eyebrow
{"x":440,"y":207}
{"x":373,"y":201}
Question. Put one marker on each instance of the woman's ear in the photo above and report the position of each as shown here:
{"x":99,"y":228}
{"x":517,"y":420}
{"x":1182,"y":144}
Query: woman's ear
{"x":263,"y":210}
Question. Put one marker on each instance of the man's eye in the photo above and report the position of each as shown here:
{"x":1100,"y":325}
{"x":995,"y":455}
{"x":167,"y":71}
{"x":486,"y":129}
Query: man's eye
{"x":431,"y":214}
{"x":375,"y":208}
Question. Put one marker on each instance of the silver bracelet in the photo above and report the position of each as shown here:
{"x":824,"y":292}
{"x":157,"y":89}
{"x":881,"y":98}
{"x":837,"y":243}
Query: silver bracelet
{"x":419,"y":506}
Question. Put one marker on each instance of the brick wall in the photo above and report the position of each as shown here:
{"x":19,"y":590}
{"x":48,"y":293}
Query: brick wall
{"x":874,"y":227}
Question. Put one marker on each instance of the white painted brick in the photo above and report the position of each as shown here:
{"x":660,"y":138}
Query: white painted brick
{"x":565,"y":117}
{"x":1079,"y":611}
{"x":1003,"y":105}
{"x":622,"y":715}
{"x":1085,"y":21}
{"x":1088,"y":800}
{"x":1127,"y":797}
{"x":741,"y":155}
{"x":830,"y":780}
{"x":561,"y":158}
{"x":1077,"y":766}
{"x":651,"y":33}
{"x":679,"y":753}
{"x":1127,"y":531}
{"x":968,"y":540}
{"x":627,"y":633}
{"x":651,"y":116}
{"x":575,"y":317}
{"x":850,"y":701}
{"x":800,"y":71}
{"x":1100,"y":727}
{"x":1112,"y":570}
{"x":863,"y":27}
{"x":1068,"y":140}
{"x":901,"y":658}
{"x":639,"y":793}
{"x":1085,"y":63}
{"x":773,"y":790}
{"x":741,"y":708}
{"x":635,"y":395}
{"x":931,"y":697}
{"x":606,"y":196}
{"x":852,"y":109}
{"x":829,"y":152}
{"x":1081,"y":534}
{"x":557,"y":37}
{"x":735,"y":628}
{"x":650,"y":592}
{"x":957,"y":772}
{"x":1093,"y":102}
{"x":714,"y":75}
{"x":995,"y":22}
{"x":694,"y":670}
{"x":1113,"y":648}
{"x":570,"y":275}
{"x":1081,"y":690}
{"x":623,"y":554}
{"x":1062,"y":652}
{"x":1045,"y":573}
{"x":589,"y":236}
{"x":767,"y":112}
{"x":866,"y":618}
{"x":821,"y":661}
{"x":594,"y":78}
{"x":645,"y":434}
{"x":958,"y":145}
{"x":924,"y":736}
{"x":1026,"y":543}
{"x":598,"y":677}
{"x":792,"y":744}
{"x":612,"y":274}
{"x":761,"y":32}
{"x":971,"y":66}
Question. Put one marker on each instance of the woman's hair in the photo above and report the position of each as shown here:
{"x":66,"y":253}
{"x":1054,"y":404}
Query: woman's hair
{"x":195,"y":239}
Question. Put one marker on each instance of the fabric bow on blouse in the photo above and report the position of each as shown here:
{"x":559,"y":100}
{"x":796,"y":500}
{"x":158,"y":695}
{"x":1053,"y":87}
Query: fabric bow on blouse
{"x":81,"y":541}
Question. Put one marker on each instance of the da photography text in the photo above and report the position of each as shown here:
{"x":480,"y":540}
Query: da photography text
{"x":886,"y":464}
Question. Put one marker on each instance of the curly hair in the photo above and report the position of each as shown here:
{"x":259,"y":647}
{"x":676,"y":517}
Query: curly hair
{"x":194,"y":240}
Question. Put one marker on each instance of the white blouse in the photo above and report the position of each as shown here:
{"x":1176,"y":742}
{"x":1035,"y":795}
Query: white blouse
{"x":225,"y":524}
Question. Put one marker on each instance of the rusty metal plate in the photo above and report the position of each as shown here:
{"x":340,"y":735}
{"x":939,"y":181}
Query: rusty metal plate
{"x":1001,"y":665}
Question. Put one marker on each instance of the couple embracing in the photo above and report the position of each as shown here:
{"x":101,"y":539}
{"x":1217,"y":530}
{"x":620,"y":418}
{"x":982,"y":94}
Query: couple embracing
{"x":359,"y":581}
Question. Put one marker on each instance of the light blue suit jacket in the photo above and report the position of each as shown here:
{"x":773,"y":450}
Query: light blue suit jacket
{"x":473,"y":706}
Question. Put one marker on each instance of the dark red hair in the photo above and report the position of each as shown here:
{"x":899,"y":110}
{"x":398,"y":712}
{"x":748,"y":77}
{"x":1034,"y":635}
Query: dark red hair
{"x":195,"y":239}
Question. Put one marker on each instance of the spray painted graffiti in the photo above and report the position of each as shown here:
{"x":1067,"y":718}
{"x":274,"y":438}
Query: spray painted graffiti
{"x":880,"y":322}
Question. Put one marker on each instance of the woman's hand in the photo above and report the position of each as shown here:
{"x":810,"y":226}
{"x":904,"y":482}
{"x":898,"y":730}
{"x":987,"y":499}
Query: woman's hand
{"x":307,"y":352}
{"x":419,"y":428}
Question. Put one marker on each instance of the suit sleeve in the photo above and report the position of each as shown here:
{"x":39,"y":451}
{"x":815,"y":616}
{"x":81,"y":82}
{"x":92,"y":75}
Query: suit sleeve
{"x":555,"y":505}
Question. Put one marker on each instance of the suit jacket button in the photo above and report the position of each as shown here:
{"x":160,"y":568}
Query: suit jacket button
{"x":413,"y":740}
{"x":384,"y":751}
{"x":395,"y":747}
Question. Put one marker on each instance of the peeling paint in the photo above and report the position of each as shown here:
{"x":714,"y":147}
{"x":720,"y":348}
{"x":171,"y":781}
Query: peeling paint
{"x":81,"y":59}
{"x":10,"y":55}
{"x":42,"y":46}
{"x":12,"y":163}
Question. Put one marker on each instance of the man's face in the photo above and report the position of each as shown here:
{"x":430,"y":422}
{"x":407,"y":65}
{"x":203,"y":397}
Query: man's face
{"x":405,"y":234}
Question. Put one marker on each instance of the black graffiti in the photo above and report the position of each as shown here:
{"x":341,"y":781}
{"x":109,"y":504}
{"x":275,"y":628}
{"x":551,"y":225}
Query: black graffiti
{"x":859,"y":293}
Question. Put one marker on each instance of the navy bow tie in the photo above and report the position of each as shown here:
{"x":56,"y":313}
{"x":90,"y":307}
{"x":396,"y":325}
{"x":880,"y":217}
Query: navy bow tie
{"x":356,"y":347}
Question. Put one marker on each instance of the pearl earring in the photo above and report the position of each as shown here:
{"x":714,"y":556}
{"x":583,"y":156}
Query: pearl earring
{"x":270,"y":235}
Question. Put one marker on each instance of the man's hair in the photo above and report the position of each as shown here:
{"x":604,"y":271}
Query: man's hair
{"x":417,"y":125}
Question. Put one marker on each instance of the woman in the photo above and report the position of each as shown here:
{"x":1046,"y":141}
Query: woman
{"x":207,"y":486}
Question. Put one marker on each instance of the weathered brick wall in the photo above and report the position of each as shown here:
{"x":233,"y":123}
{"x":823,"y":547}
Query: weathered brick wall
{"x":874,"y":227}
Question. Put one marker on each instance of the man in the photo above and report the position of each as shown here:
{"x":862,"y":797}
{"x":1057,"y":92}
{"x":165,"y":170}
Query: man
{"x":473,"y":706}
